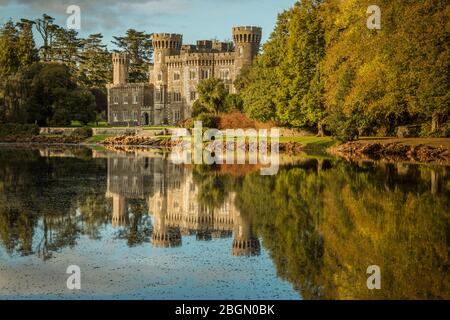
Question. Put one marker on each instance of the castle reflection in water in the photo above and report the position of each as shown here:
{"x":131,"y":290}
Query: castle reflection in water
{"x":172,"y":198}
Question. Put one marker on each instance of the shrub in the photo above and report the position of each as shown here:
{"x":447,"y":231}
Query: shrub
{"x":208,"y":120}
{"x":8,"y":129}
{"x":84,"y":132}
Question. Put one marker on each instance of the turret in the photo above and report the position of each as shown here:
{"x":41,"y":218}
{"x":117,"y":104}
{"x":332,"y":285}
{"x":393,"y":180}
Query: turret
{"x":247,"y":41}
{"x":120,"y":68}
{"x":120,"y":211}
{"x":244,"y":243}
{"x":164,"y":44}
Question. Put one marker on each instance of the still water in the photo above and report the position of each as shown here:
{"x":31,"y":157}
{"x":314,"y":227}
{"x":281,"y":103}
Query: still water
{"x":141,"y":227}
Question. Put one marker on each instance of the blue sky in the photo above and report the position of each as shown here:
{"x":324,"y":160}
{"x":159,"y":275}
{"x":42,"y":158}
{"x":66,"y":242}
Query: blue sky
{"x":195,"y":19}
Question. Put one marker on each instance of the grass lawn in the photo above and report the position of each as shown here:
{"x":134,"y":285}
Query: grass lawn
{"x":98,"y":138}
{"x":310,"y":142}
{"x":158,"y":127}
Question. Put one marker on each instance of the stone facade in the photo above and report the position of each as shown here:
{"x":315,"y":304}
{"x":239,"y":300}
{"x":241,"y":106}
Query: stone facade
{"x":173,"y":77}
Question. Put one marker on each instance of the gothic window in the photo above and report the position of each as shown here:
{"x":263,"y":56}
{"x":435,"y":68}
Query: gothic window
{"x":158,"y":95}
{"x":135,"y":98}
{"x":116,"y":99}
{"x":225,"y":74}
{"x":125,"y":98}
{"x":135,"y":116}
{"x":192,"y":75}
{"x":115,"y":116}
{"x":205,"y":74}
{"x":176,"y":96}
{"x":193,"y":95}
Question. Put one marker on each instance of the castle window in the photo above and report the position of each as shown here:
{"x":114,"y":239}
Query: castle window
{"x":135,"y":98}
{"x":115,"y":116}
{"x":192,"y":75}
{"x":176,"y":76}
{"x":158,"y":95}
{"x":135,"y":116}
{"x":125,"y":98}
{"x":177,"y":115}
{"x":176,"y":96}
{"x":225,"y":74}
{"x":125,"y":116}
{"x":193,"y":95}
{"x":205,"y":74}
{"x":116,"y":99}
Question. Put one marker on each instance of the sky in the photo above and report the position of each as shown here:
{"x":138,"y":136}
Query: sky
{"x":195,"y":19}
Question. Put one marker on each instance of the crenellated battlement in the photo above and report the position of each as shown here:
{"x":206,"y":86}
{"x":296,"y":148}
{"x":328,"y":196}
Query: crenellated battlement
{"x":167,"y":40}
{"x":249,"y":34}
{"x":120,"y":58}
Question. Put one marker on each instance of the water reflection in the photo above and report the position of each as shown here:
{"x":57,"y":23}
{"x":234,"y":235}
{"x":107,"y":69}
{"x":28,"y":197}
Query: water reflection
{"x":173,"y":201}
{"x":322,"y":221}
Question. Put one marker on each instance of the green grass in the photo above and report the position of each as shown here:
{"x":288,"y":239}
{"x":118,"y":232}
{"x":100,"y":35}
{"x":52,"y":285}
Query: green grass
{"x":158,"y":127}
{"x":98,"y":138}
{"x":310,"y":142}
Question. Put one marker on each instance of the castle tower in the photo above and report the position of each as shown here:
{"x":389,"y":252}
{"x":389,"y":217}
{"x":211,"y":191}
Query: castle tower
{"x":120,"y":211}
{"x":244,"y":243}
{"x":247,"y":41}
{"x":164,"y":45}
{"x":121,"y":63}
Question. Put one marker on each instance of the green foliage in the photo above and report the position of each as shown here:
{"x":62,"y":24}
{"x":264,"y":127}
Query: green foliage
{"x":138,"y":45}
{"x":95,"y":62}
{"x":208,"y":120}
{"x":212,"y":95}
{"x":8,"y":129}
{"x":322,"y":60}
{"x":84,"y":132}
{"x":233,"y":102}
{"x":48,"y":95}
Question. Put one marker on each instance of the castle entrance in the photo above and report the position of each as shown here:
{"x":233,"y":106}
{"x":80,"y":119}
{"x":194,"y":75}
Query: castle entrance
{"x":146,"y":118}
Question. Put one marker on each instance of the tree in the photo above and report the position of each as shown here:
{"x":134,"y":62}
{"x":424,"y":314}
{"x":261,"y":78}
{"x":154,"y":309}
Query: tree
{"x":258,"y":85}
{"x":138,"y":45}
{"x":95,"y":62}
{"x":66,"y":48}
{"x":50,"y":95}
{"x":9,"y":59}
{"x":26,"y":47}
{"x":299,"y":95}
{"x":212,"y":95}
{"x":46,"y":28}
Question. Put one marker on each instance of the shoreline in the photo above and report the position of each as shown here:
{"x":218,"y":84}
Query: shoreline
{"x":415,"y":150}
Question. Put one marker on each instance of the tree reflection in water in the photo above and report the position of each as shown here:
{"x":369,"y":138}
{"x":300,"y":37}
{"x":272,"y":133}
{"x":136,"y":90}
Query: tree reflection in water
{"x":322,"y":221}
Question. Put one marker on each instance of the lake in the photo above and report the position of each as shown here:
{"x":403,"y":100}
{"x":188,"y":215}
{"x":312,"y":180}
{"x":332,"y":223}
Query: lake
{"x":139,"y":226}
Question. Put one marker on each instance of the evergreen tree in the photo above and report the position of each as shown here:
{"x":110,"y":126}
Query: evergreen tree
{"x":95,"y":62}
{"x":26,"y":47}
{"x":139,"y":47}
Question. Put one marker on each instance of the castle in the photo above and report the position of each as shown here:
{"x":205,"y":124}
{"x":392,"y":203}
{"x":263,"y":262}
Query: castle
{"x":171,"y":195}
{"x":174,"y":75}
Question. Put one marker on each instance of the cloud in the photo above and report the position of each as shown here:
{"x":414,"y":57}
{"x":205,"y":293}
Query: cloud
{"x":101,"y":13}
